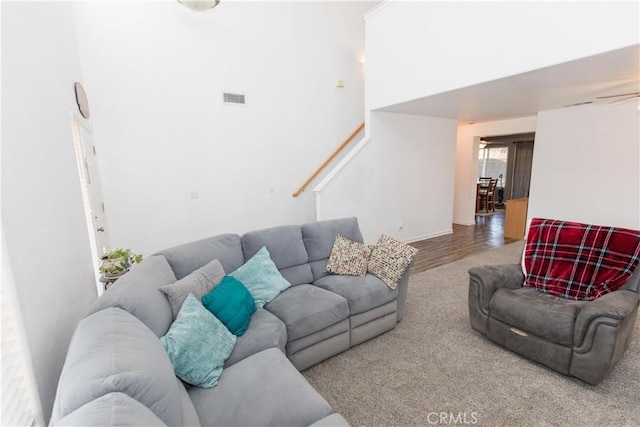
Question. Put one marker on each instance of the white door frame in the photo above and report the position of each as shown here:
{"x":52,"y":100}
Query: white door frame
{"x":91,"y":188}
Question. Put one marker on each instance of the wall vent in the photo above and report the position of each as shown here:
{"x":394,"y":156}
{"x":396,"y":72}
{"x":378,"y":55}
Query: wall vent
{"x":233,"y":98}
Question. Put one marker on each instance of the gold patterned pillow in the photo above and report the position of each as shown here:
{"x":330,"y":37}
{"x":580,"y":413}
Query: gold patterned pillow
{"x":348,"y":257}
{"x":389,"y":260}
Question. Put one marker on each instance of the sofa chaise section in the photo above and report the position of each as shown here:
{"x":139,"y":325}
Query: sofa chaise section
{"x":115,"y":378}
{"x":263,"y":389}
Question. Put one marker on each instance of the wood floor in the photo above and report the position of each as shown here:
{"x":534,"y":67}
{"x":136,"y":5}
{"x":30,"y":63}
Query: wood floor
{"x":488,"y":232}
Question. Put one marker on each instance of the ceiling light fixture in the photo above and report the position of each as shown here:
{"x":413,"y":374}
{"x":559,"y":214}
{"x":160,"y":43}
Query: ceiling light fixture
{"x":199,"y":5}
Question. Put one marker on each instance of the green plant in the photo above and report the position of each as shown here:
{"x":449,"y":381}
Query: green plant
{"x":118,"y":261}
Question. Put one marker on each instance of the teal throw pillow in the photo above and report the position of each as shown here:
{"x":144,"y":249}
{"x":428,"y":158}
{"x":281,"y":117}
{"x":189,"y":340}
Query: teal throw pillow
{"x":198,"y":344}
{"x":261,"y":276}
{"x":232,"y":303}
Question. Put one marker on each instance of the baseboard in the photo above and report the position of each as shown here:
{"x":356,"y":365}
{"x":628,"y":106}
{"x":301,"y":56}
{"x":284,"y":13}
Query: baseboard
{"x":465,"y":222}
{"x":428,"y":236}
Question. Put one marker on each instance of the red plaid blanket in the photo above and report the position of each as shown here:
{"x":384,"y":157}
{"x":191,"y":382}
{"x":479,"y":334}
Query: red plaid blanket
{"x":579,"y":261}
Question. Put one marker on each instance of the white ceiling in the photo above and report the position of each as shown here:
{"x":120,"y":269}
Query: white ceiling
{"x":522,"y":95}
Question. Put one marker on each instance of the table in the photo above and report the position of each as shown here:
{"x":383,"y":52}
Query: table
{"x":108,"y":281}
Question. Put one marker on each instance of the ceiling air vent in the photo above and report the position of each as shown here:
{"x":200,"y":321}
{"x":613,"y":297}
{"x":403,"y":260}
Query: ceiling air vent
{"x":233,"y":98}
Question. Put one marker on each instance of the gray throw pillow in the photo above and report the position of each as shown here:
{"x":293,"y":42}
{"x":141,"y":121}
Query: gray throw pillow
{"x":199,"y":283}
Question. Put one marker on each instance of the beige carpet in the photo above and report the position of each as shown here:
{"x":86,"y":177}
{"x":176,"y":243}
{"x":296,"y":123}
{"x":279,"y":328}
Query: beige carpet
{"x":433,"y":364}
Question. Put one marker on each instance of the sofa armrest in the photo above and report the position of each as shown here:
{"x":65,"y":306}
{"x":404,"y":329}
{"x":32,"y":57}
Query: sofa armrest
{"x":490,"y":278}
{"x":403,"y":289}
{"x":633,"y":284}
{"x":611,"y":308}
{"x":602,"y":333}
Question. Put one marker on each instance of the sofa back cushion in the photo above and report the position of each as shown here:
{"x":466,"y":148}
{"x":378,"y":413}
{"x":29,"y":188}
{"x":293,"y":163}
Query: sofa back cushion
{"x":189,"y":257}
{"x":319,"y":237}
{"x":112,"y":351}
{"x":138,"y":292}
{"x":286,"y":248}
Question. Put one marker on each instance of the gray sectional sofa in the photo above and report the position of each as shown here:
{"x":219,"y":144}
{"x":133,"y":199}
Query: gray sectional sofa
{"x":118,"y":373}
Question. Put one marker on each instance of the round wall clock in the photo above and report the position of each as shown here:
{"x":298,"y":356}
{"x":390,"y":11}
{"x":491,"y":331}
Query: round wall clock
{"x":81,"y":99}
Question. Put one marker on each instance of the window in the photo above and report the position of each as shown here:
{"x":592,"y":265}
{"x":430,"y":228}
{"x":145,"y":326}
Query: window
{"x":492,"y":162}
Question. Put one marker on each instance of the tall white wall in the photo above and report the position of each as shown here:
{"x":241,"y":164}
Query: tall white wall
{"x":464,"y":202}
{"x":154,"y":74}
{"x":416,"y":49}
{"x":586,"y":165}
{"x":42,"y":212}
{"x":402,"y":181}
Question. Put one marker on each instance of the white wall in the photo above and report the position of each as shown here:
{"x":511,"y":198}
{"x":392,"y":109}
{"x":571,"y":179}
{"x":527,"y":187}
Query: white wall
{"x":154,"y":73}
{"x":464,"y":202}
{"x":42,"y":212}
{"x":416,"y":49}
{"x":586,"y":164}
{"x":404,"y":175}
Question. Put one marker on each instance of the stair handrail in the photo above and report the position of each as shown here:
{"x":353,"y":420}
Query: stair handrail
{"x":328,"y":161}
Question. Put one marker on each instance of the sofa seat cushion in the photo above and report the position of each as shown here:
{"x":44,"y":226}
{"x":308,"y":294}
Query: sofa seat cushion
{"x":362,"y":293}
{"x":322,"y":336}
{"x":527,"y":309}
{"x":306,"y":309}
{"x":265,"y":331}
{"x":261,"y":390}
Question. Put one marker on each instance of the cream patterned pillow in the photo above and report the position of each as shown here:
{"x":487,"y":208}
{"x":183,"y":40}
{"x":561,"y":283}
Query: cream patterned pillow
{"x":390,"y":259}
{"x":348,"y":257}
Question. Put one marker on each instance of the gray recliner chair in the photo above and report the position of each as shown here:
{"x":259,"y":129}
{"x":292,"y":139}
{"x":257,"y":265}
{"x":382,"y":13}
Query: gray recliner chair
{"x":584,"y":339}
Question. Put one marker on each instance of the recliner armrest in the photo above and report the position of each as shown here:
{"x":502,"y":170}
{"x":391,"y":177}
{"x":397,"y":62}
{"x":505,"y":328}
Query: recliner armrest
{"x":615,"y":306}
{"x":490,"y":278}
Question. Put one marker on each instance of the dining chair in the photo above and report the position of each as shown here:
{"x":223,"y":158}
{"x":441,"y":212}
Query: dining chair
{"x":485,"y":196}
